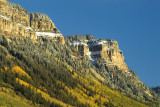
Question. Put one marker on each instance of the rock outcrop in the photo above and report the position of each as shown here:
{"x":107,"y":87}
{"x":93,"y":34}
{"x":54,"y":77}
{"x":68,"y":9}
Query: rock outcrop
{"x":15,"y":21}
{"x":44,"y":27}
{"x":106,"y":49}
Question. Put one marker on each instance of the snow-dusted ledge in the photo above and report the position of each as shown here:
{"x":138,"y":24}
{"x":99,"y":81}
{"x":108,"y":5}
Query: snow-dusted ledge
{"x":26,"y":28}
{"x":78,"y":43}
{"x":91,"y":54}
{"x":4,"y":17}
{"x":48,"y":34}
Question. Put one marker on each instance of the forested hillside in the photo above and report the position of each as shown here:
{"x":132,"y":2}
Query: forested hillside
{"x":46,"y":73}
{"x":156,"y":89}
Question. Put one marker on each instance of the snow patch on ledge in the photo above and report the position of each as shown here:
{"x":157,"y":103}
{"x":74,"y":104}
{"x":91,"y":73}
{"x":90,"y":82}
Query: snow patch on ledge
{"x":102,"y":42}
{"x":48,"y":34}
{"x":91,"y":54}
{"x":96,"y":43}
{"x":26,"y":28}
{"x":4,"y":17}
{"x":78,"y":43}
{"x":110,"y":48}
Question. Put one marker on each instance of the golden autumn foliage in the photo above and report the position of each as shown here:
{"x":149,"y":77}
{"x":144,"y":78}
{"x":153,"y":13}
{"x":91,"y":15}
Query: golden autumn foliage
{"x":18,"y":70}
{"x":68,"y":85}
{"x":4,"y":69}
{"x":44,"y":95}
{"x":75,"y":75}
{"x":103,"y":95}
{"x":8,"y":98}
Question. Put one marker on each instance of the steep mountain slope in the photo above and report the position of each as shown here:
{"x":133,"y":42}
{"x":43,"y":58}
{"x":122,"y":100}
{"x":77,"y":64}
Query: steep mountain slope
{"x":9,"y":98}
{"x":157,"y":89}
{"x":53,"y":75}
{"x":38,"y":64}
{"x":106,"y":56}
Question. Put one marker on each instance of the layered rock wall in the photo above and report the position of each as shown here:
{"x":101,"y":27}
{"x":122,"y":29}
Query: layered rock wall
{"x":105,"y":49}
{"x":44,"y":27}
{"x":15,"y":21}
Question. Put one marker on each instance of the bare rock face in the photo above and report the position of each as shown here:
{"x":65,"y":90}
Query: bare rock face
{"x":41,"y":22}
{"x":15,"y":21}
{"x":44,"y":27}
{"x":104,"y":49}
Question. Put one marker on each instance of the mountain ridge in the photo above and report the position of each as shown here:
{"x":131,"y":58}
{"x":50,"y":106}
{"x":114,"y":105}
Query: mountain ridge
{"x":37,"y":58}
{"x":15,"y":20}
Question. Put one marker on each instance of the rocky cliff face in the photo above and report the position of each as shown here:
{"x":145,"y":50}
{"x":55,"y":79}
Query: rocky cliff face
{"x":44,"y":27}
{"x":15,"y":21}
{"x":105,"y":49}
{"x":108,"y":61}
